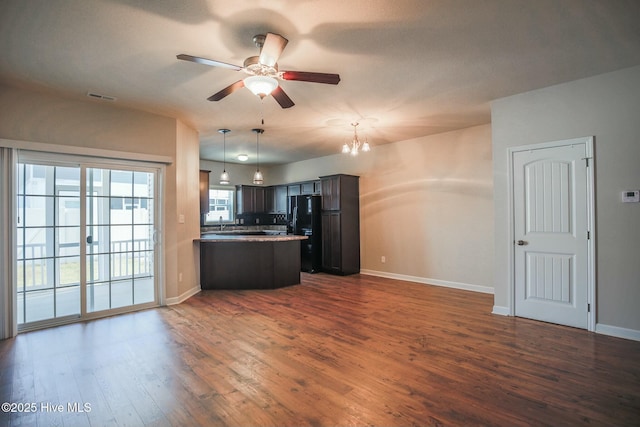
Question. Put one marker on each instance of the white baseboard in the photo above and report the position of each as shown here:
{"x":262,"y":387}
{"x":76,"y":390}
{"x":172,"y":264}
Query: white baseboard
{"x":616,"y":331}
{"x":425,"y":280}
{"x":501,"y":311}
{"x":181,"y":298}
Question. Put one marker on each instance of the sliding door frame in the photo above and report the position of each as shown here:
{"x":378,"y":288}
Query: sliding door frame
{"x":84,"y":162}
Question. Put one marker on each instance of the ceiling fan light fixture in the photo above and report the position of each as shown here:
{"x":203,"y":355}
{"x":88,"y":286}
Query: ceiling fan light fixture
{"x":261,"y":85}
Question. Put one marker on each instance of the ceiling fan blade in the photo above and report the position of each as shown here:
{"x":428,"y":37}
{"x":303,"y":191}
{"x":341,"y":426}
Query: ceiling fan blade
{"x":304,"y":76}
{"x":272,"y":49}
{"x":282,"y":98}
{"x":227,"y":91}
{"x":209,"y":62}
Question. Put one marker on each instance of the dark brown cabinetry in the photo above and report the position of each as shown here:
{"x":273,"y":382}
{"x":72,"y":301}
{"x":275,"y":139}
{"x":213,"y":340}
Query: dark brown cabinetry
{"x":276,"y":199}
{"x":249,"y":265}
{"x":310,"y":187}
{"x":340,"y":224}
{"x":250,"y":199}
{"x":294,"y":189}
{"x":204,"y":194}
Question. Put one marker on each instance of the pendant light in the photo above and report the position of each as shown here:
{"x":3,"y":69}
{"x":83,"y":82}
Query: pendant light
{"x":257,"y":177}
{"x":224,"y":176}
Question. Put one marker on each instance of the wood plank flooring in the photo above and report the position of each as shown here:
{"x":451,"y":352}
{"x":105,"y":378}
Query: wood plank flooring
{"x":333,"y":351}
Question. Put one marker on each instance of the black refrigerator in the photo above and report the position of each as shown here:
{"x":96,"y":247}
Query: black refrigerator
{"x":304,"y":220}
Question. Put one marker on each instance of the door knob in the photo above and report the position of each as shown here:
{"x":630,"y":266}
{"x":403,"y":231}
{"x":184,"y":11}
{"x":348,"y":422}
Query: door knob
{"x":521,"y":242}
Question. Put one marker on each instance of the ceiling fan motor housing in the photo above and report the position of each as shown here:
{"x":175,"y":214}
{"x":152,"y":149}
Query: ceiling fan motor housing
{"x":252,"y":66}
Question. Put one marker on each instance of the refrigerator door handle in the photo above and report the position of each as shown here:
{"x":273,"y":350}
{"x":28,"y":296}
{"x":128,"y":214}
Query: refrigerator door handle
{"x":295,"y":220}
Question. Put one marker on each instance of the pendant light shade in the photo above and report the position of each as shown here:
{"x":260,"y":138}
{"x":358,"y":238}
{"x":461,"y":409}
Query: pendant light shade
{"x":224,"y":176}
{"x":257,"y":177}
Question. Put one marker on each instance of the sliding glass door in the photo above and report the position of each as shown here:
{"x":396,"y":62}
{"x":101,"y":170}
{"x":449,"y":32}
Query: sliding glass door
{"x":85,"y":241}
{"x":48,"y":250}
{"x":120,"y":232}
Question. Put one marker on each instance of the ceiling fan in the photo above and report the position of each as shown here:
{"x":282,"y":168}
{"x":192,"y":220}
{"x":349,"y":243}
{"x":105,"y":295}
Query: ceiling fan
{"x":263,"y":73}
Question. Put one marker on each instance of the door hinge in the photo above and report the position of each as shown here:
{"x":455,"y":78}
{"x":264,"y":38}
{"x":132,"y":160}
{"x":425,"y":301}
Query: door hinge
{"x":588,"y":308}
{"x":588,"y":235}
{"x":586,"y":159}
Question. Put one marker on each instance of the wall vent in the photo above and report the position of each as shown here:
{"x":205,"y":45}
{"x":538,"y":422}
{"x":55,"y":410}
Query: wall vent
{"x":101,"y":97}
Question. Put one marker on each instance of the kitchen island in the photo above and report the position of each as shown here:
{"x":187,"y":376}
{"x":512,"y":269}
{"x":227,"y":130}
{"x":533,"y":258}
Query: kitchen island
{"x":249,"y":261}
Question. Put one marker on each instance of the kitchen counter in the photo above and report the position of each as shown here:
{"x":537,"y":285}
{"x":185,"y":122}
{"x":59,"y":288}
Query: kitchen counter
{"x":241,"y":236}
{"x":232,"y":260}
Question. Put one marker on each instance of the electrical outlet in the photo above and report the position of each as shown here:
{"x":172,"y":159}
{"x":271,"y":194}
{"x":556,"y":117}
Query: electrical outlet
{"x":179,"y":277}
{"x":383,"y":259}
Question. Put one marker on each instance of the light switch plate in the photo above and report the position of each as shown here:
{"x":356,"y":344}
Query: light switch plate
{"x":631,"y":196}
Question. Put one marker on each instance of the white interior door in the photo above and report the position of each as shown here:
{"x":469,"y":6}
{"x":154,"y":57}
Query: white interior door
{"x":551,"y":196}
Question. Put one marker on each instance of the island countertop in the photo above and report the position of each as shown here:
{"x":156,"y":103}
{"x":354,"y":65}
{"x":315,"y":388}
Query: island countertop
{"x":237,"y":237}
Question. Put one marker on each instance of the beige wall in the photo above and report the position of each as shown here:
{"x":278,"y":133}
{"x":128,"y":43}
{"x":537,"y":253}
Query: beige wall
{"x":425,"y":204}
{"x":607,"y":107}
{"x":187,"y":204}
{"x":44,"y":118}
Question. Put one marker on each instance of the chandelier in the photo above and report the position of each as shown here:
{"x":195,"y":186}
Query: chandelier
{"x":356,"y":144}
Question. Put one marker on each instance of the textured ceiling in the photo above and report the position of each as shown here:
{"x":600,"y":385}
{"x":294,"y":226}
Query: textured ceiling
{"x":409,"y":68}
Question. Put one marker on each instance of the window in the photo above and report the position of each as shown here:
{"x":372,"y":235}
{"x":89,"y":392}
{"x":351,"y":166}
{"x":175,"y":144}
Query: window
{"x":220,"y":205}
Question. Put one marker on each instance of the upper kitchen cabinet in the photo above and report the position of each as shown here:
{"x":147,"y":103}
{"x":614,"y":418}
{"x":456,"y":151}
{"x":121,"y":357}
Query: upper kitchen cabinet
{"x":340,"y":224}
{"x":340,"y":191}
{"x":310,"y":187}
{"x":294,"y":189}
{"x":204,"y":192}
{"x":250,"y":199}
{"x":281,"y":199}
{"x":304,"y":188}
{"x":276,"y":199}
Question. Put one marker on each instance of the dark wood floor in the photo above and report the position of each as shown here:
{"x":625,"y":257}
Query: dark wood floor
{"x":333,"y":351}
